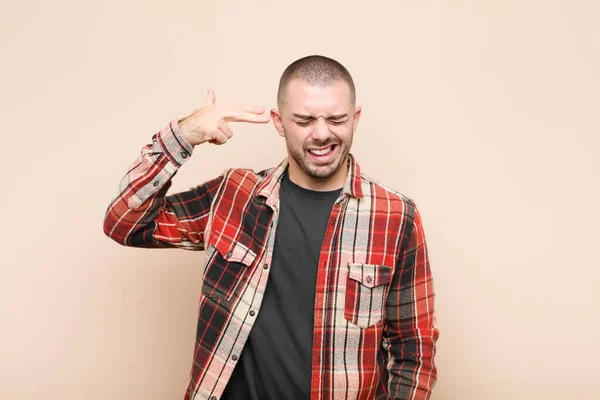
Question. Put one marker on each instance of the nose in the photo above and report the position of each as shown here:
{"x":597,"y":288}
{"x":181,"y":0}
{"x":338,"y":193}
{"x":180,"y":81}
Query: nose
{"x":320,"y":131}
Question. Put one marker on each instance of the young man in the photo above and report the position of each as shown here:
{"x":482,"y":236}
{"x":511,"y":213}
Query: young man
{"x":317,"y":282}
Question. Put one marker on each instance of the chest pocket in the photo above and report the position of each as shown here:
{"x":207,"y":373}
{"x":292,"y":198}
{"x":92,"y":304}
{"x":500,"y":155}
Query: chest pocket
{"x":227,"y":263}
{"x":366,"y":289}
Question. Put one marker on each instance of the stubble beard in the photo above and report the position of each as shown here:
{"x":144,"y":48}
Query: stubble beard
{"x":324,"y":171}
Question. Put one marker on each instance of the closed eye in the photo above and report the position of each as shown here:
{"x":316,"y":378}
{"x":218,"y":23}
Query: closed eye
{"x":333,"y":122}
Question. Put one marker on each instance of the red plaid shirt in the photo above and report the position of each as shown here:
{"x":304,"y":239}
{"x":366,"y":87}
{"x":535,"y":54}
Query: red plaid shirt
{"x":374,"y":323}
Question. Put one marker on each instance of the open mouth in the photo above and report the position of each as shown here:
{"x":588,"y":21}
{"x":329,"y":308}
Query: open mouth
{"x":323,"y":152}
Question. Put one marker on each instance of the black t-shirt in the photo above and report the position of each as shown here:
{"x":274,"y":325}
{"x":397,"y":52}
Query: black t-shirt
{"x":276,"y":362}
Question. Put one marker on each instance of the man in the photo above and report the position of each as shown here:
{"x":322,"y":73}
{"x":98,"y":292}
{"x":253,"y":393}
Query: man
{"x":317,"y":282}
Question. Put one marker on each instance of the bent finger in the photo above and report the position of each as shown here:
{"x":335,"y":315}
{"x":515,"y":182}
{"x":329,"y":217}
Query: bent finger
{"x":220,"y":138}
{"x":225,"y":129}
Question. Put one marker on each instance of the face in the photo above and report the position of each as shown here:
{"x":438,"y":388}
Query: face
{"x":318,"y":124}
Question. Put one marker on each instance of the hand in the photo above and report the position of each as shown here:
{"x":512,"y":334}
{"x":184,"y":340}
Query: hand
{"x":209,"y":122}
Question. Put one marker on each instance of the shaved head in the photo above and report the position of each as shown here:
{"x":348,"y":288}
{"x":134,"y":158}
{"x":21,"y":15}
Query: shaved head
{"x":316,"y":71}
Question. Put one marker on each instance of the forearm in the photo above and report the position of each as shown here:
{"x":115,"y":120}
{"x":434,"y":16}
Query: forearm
{"x":141,"y":214}
{"x":412,"y":371}
{"x":141,"y":199}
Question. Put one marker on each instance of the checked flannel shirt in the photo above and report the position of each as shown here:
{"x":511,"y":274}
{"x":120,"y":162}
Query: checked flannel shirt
{"x":375,"y":331}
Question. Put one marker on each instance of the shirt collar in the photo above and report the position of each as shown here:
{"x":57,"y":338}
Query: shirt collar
{"x":352,"y":185}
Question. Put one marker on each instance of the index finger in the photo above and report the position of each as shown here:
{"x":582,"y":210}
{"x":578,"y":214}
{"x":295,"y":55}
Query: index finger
{"x":251,"y":109}
{"x":246,"y":116}
{"x":245,"y":108}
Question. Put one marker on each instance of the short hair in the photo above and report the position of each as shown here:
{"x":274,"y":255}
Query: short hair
{"x":315,"y":70}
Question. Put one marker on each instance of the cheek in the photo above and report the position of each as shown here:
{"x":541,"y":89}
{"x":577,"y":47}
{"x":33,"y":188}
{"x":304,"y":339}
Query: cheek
{"x":343,"y":133}
{"x":296,"y":136}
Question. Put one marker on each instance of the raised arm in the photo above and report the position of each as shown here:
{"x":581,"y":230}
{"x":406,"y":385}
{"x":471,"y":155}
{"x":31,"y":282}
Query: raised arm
{"x":141,"y":214}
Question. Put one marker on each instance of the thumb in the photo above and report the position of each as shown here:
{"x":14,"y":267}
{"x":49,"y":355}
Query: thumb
{"x":210,"y":98}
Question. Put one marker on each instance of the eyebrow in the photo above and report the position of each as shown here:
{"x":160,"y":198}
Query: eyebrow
{"x":302,"y":116}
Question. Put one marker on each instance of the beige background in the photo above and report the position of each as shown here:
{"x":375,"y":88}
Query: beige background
{"x":484,"y":112}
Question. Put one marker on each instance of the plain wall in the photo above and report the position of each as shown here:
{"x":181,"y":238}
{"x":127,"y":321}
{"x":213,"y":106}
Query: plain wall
{"x":486,"y":113}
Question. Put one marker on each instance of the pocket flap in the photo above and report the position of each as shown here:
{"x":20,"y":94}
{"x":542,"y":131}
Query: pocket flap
{"x":370,"y":275}
{"x":236,"y":252}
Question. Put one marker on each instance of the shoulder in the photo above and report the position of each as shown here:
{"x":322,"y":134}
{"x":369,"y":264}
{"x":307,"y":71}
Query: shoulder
{"x":392,"y":199}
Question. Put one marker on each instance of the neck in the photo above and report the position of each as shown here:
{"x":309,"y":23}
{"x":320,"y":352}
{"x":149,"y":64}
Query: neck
{"x":302,"y":179}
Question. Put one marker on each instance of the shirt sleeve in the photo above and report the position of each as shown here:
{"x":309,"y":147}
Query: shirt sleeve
{"x":411,"y":333}
{"x":142,"y":215}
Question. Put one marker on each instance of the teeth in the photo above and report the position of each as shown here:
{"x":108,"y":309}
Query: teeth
{"x":321,"y":152}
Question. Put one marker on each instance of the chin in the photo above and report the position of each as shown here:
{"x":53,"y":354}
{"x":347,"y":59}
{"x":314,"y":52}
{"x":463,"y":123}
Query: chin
{"x":324,"y":171}
{"x":318,"y":171}
{"x":321,"y":174}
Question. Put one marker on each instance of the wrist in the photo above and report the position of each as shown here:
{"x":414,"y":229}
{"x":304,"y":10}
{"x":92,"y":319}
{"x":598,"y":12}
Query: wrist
{"x":183,"y":140}
{"x":185,"y":131}
{"x":193,"y":137}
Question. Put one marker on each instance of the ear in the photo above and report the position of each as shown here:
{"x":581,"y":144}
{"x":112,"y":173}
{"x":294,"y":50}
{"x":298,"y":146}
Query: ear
{"x":276,"y":117}
{"x":356,"y":117}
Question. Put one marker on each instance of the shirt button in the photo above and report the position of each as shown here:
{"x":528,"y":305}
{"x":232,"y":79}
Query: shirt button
{"x":252,"y":313}
{"x":213,"y":398}
{"x":183,"y":155}
{"x":155,"y":183}
{"x":229,"y":254}
{"x":234,"y":357}
{"x":369,"y":279}
{"x":266,"y":266}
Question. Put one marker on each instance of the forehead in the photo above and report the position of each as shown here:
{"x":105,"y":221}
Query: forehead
{"x":305,"y":98}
